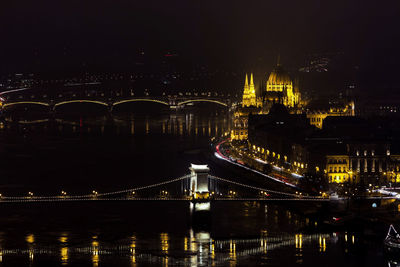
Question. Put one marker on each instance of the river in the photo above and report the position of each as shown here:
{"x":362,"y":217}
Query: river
{"x":78,"y":153}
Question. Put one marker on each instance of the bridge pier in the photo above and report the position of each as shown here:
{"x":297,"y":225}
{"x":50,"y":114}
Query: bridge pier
{"x":200,"y":205}
{"x":199,"y":185}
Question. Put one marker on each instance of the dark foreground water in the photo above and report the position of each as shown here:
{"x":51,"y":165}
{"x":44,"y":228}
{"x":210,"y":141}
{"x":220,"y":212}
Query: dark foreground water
{"x":77,"y":154}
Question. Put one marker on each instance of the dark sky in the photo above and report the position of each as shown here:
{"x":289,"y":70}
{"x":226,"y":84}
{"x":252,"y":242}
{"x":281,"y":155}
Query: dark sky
{"x":44,"y":34}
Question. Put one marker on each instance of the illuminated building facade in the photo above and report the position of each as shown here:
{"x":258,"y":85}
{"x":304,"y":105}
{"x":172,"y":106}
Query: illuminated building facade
{"x":250,"y":105}
{"x":364,"y":163}
{"x":347,"y":150}
{"x":249,"y":93}
{"x":337,"y":168}
{"x":279,"y":138}
{"x":369,"y":150}
{"x":280,"y":89}
{"x":317,"y":117}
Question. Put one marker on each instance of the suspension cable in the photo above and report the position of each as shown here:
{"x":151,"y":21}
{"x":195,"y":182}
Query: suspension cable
{"x":103,"y":194}
{"x":258,"y":188}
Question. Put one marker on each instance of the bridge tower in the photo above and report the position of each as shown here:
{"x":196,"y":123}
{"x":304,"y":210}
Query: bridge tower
{"x":199,"y":184}
{"x":200,"y":205}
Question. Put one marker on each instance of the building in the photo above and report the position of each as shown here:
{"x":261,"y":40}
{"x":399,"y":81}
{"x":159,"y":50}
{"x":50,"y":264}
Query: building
{"x":280,"y":89}
{"x":279,"y":138}
{"x":337,"y":168}
{"x":348,"y":149}
{"x":250,"y":105}
{"x":318,"y":116}
{"x":249,"y":93}
{"x":369,"y":151}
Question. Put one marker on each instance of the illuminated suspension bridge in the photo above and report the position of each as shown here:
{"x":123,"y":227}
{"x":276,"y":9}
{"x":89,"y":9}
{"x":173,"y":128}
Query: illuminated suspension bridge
{"x":198,"y":187}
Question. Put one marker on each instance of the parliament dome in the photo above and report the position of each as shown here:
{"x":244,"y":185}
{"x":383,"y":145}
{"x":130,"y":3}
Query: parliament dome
{"x":279,"y":76}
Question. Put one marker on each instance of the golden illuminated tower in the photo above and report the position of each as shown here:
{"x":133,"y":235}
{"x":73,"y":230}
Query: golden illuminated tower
{"x":245,"y":93}
{"x":280,"y":88}
{"x":252,"y":92}
{"x":249,"y":93}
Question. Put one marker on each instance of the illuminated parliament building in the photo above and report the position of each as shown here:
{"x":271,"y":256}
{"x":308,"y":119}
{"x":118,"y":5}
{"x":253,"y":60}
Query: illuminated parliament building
{"x":278,"y":127}
{"x":279,"y":88}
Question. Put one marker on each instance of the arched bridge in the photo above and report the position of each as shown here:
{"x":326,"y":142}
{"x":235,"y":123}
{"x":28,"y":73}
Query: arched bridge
{"x":171,"y":102}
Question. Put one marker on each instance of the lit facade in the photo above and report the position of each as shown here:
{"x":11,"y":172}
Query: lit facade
{"x":364,"y":163}
{"x":249,"y":93}
{"x":250,"y":105}
{"x":279,"y":138}
{"x":317,"y":117}
{"x":240,"y":124}
{"x":280,"y":89}
{"x":337,"y":169}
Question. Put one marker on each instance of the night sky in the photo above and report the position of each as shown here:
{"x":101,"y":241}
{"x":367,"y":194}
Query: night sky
{"x":40,"y":35}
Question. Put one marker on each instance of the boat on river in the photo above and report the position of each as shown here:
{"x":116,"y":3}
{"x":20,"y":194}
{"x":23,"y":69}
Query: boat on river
{"x":392,"y":240}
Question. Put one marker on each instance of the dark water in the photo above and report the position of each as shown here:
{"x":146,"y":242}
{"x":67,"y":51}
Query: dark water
{"x":79,"y":153}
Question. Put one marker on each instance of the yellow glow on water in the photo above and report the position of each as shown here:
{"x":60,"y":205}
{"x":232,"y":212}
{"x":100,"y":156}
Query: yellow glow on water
{"x":299,"y":240}
{"x":147,"y":126}
{"x":132,"y":127}
{"x":64,"y":250}
{"x":164,"y":242}
{"x":95,"y":253}
{"x":185,"y":243}
{"x":320,"y":243}
{"x":264,"y":245}
{"x":133,"y":250}
{"x":212,"y":250}
{"x":232,"y":251}
{"x":345,"y":237}
{"x":64,"y":256}
{"x":133,"y":243}
{"x":164,"y":246}
{"x":31,"y":254}
{"x":352,"y":239}
{"x":323,"y":244}
{"x":180,"y":128}
{"x":30,"y":238}
{"x":165,"y":261}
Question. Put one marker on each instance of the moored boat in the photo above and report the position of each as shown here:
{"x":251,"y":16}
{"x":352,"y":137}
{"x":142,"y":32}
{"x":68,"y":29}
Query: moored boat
{"x":392,"y":241}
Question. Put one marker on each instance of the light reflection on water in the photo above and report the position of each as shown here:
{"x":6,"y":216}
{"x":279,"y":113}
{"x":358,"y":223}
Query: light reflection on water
{"x":272,"y":246}
{"x":249,"y":234}
{"x":199,"y":249}
{"x":172,"y":124}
